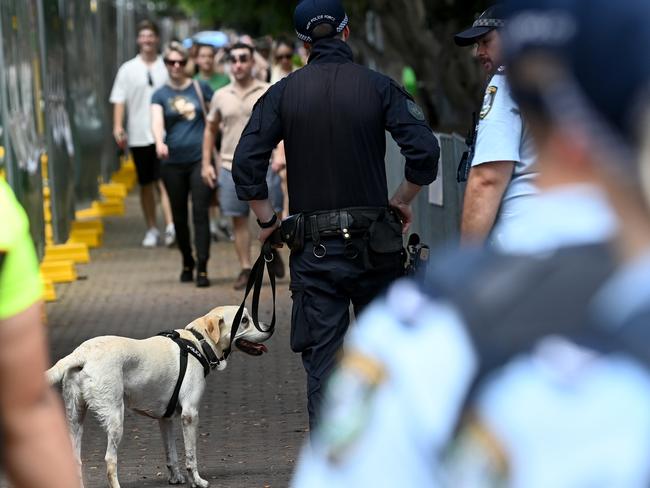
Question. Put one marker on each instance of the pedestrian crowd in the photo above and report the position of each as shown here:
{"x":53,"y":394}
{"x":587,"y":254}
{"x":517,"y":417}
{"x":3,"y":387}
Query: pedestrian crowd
{"x":518,"y":357}
{"x":185,"y":110}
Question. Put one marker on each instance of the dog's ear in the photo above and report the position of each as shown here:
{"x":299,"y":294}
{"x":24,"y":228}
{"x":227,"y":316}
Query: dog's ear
{"x":213,"y":326}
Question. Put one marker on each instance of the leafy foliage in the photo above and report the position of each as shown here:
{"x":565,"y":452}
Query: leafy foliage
{"x":254,"y":17}
{"x":259,"y":17}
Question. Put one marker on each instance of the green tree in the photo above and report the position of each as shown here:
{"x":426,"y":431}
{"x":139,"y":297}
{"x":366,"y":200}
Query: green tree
{"x":387,"y":35}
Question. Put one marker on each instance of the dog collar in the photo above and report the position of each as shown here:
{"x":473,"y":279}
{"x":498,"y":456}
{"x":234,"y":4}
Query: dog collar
{"x":209,"y":353}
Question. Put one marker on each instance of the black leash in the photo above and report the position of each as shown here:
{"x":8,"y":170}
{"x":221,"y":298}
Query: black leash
{"x":255,"y":283}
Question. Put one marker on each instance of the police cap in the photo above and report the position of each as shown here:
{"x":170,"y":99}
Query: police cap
{"x":311,"y":13}
{"x":599,"y":50}
{"x":491,"y":19}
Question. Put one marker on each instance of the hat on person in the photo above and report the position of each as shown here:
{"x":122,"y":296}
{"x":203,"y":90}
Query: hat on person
{"x":311,"y":13}
{"x":492,"y":18}
{"x":594,"y":65}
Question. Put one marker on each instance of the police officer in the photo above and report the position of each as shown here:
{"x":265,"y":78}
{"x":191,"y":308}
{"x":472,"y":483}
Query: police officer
{"x":502,"y":176}
{"x":538,"y":373}
{"x":345,"y":235}
{"x":32,"y":423}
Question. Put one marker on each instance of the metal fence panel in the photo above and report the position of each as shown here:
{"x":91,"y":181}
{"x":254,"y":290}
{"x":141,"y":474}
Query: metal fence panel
{"x":22,"y":117}
{"x":436,"y":224}
{"x":60,"y":147}
{"x":84,"y":79}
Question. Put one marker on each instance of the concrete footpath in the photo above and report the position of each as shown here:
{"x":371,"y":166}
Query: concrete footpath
{"x":253,"y":415}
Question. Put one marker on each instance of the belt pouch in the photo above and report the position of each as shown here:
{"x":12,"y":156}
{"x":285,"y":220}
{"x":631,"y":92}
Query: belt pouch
{"x":293,"y":231}
{"x":385,"y":234}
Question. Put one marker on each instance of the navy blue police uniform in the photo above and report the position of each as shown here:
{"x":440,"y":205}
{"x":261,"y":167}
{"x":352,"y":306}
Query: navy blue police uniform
{"x":346,"y":242}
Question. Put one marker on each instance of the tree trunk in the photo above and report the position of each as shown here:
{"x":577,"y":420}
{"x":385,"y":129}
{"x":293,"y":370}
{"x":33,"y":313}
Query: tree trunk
{"x":409,"y":33}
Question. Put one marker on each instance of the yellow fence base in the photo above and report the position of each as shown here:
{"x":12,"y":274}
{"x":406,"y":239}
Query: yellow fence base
{"x":89,"y":237}
{"x":95,"y":224}
{"x":108,"y":208}
{"x":59,"y":271}
{"x":113,"y":190}
{"x":71,"y":251}
{"x":49,"y":293}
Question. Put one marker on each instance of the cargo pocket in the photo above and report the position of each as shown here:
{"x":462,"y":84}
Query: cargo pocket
{"x":301,"y":337}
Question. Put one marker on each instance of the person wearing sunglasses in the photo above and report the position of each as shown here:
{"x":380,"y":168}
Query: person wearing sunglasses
{"x":283,"y":59}
{"x":283,"y":67}
{"x":178,"y":122}
{"x":136,"y":80}
{"x":230,"y":110}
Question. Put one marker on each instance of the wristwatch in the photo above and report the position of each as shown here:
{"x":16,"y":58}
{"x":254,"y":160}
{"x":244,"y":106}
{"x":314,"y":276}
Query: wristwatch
{"x":270,"y":223}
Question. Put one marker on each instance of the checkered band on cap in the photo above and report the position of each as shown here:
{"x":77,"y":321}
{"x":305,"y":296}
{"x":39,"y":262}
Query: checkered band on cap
{"x":339,"y":28}
{"x":488,"y":23}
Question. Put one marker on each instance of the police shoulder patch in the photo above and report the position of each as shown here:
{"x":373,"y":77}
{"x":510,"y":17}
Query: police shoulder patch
{"x":415,"y":110}
{"x":488,"y":100}
{"x":348,"y":402}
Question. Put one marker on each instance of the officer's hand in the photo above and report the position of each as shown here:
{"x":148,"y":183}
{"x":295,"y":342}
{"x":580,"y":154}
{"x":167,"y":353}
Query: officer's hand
{"x":278,"y":165}
{"x":405,"y":213}
{"x":162,"y":151}
{"x":209,"y":175}
{"x":266,"y":233}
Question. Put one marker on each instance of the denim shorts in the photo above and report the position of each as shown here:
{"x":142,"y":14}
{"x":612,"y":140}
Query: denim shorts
{"x":231,"y":206}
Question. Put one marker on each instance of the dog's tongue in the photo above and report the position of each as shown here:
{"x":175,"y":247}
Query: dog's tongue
{"x":252,"y":348}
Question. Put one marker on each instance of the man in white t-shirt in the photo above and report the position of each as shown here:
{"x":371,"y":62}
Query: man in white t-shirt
{"x":135,"y":82}
{"x":502,"y":176}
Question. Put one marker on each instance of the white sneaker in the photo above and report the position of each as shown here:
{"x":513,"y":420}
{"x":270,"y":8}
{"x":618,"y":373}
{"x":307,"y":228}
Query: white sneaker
{"x":151,"y":238}
{"x":170,"y":235}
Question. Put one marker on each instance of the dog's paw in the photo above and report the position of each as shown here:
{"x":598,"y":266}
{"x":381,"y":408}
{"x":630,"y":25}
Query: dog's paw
{"x":177,"y":479}
{"x":199,"y":482}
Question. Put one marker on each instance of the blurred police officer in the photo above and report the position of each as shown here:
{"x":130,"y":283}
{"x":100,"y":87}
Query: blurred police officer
{"x":502,"y":175}
{"x":344,"y":233}
{"x":32,"y":423}
{"x":550,"y":363}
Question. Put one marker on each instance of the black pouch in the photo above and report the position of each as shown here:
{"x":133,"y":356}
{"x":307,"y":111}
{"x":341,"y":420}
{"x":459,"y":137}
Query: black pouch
{"x":293,"y":231}
{"x":385,"y":234}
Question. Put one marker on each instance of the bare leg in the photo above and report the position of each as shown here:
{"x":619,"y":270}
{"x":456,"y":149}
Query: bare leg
{"x":148,"y":202}
{"x":242,"y":241}
{"x":190,"y":421}
{"x":114,"y":430}
{"x":171,"y":456}
{"x":164,"y":203}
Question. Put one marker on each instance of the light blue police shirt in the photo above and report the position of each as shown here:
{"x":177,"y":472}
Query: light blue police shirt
{"x":390,"y":433}
{"x":503,"y":136}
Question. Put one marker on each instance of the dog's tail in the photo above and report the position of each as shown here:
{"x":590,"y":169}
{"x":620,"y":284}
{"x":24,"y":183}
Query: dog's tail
{"x":55,"y":374}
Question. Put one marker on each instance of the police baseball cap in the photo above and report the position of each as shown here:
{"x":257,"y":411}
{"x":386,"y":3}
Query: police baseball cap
{"x":311,"y":13}
{"x":492,"y":18}
{"x":593,"y":68}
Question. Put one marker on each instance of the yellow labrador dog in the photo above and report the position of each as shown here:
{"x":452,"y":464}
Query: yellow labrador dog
{"x":107,"y":373}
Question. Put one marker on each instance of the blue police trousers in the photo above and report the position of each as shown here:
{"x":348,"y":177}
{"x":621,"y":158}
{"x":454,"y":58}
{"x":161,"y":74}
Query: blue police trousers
{"x":322,"y":290}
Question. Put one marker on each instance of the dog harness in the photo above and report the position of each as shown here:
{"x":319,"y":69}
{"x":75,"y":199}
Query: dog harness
{"x":208,"y":360}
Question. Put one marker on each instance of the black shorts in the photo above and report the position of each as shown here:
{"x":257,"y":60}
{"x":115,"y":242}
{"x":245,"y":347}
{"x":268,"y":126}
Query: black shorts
{"x":147,"y":164}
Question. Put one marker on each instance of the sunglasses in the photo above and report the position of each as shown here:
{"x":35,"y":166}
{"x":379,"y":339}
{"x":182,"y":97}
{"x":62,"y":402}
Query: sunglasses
{"x":242,"y":58}
{"x":149,"y":78}
{"x":175,"y":62}
{"x":283,"y":56}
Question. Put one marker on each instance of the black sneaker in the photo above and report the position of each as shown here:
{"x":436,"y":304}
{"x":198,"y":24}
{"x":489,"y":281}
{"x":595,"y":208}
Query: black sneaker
{"x":187,"y":274}
{"x":202,"y":280}
{"x":242,"y":279}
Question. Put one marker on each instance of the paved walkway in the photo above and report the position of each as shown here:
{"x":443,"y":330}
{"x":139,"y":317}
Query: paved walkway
{"x":253,"y":415}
